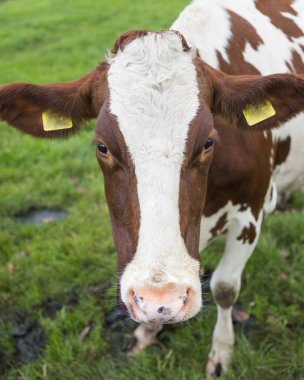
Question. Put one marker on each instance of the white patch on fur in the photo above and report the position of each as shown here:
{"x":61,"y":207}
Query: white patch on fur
{"x":229,"y":271}
{"x":154,"y":95}
{"x":289,"y":176}
{"x":206,"y":26}
{"x":222,"y":342}
{"x":234,"y":216}
{"x":275,"y":53}
{"x":271,"y":197}
{"x":236,"y":252}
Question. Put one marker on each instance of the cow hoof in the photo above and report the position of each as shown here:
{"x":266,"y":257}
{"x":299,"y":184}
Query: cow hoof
{"x":215,"y":368}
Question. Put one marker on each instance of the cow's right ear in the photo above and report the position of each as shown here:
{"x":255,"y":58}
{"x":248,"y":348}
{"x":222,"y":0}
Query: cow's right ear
{"x":53,"y":110}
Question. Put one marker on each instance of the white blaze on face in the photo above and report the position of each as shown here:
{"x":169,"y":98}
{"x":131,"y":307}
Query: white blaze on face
{"x":154,"y":95}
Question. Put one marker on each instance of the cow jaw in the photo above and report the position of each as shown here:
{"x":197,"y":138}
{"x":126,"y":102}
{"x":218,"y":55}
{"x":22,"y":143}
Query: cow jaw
{"x":154,"y":95}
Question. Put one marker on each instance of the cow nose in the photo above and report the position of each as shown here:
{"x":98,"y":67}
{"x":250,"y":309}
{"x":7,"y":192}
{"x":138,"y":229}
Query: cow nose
{"x":160,"y":305}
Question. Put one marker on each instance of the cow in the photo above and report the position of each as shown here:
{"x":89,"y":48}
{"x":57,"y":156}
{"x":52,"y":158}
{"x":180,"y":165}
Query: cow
{"x":196,"y":135}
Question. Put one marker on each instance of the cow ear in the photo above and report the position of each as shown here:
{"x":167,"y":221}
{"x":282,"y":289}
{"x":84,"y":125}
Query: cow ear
{"x":53,"y":110}
{"x":256,"y":102}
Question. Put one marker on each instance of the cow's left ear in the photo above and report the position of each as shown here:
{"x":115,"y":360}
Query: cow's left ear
{"x":256,"y":102}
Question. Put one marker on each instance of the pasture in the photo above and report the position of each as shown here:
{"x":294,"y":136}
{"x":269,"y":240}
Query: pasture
{"x":58,"y":279}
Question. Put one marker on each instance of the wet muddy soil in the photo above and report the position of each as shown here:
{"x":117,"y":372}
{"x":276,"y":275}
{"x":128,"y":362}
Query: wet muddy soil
{"x":42,"y":215}
{"x":29,"y":340}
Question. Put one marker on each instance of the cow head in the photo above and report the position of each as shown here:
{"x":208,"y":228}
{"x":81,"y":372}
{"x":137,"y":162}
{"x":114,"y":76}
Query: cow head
{"x":155,"y":101}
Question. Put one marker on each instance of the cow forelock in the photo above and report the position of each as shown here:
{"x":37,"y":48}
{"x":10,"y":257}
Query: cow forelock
{"x":154,"y":95}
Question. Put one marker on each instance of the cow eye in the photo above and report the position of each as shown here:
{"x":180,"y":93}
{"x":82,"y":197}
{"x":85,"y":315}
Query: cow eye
{"x":208,"y":144}
{"x":103,"y":149}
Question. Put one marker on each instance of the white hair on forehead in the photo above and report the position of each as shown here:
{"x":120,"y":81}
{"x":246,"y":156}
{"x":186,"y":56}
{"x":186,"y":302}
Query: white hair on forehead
{"x":157,"y":47}
{"x":154,"y":94}
{"x":152,"y":74}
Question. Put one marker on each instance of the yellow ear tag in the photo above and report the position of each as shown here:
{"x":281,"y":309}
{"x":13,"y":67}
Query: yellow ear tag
{"x":256,"y":114}
{"x":54,"y":122}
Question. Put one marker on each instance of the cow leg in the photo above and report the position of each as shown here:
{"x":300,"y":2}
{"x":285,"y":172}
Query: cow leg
{"x":225,"y":287}
{"x":145,"y":335}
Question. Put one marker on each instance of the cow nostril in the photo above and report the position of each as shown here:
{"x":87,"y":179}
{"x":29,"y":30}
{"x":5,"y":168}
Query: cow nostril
{"x":138,"y":299}
{"x":186,"y":296}
{"x":161,"y":310}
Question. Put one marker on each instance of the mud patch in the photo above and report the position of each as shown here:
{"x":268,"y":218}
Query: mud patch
{"x":26,"y":335}
{"x":41,"y":215}
{"x":119,"y":327}
{"x":119,"y":332}
{"x":51,"y":306}
{"x":28,"y":340}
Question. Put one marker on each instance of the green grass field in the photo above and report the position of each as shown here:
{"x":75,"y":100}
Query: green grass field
{"x":70,"y":265}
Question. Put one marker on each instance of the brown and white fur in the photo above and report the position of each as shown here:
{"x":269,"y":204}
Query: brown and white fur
{"x":180,"y":163}
{"x":250,"y":37}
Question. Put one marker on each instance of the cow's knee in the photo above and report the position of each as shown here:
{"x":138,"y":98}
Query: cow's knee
{"x":225,"y":294}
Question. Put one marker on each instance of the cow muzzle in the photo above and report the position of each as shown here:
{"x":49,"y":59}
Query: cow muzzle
{"x":166,"y":304}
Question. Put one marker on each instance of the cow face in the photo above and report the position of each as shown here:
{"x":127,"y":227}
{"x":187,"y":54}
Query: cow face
{"x":154,"y":140}
{"x":154,"y":100}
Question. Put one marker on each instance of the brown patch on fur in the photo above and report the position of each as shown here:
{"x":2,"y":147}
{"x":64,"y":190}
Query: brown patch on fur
{"x":194,"y":173}
{"x":224,"y":294}
{"x":282,"y":151}
{"x":193,"y":180}
{"x":120,"y":187}
{"x":238,"y":172}
{"x":242,"y":33}
{"x":274,"y":9}
{"x":248,"y":234}
{"x":125,"y":38}
{"x":297,"y":65}
{"x":220,"y":224}
{"x":243,"y":207}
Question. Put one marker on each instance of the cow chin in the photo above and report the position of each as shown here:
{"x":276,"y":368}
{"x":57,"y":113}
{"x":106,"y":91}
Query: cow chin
{"x":161,"y":294}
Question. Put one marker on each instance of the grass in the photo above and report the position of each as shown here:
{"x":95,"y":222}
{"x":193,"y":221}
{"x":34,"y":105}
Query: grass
{"x":50,"y":40}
